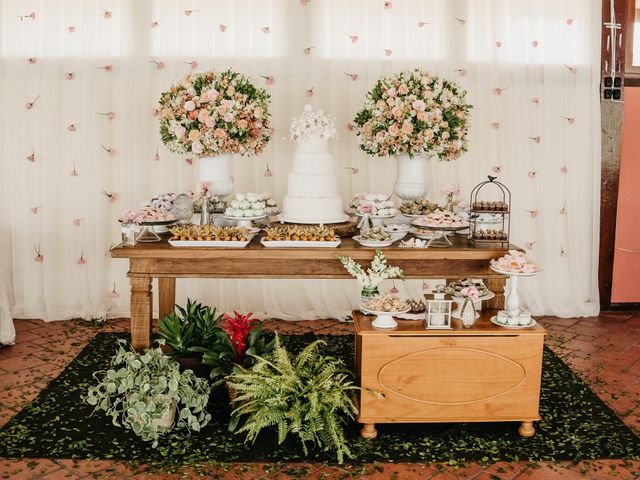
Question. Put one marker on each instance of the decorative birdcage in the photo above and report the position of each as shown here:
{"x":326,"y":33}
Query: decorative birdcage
{"x":490,"y":214}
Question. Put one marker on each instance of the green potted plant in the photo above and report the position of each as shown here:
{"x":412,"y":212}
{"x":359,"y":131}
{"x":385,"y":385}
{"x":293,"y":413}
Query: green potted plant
{"x":240,"y":343}
{"x":309,"y":395}
{"x":147,"y":393}
{"x":188,"y":328}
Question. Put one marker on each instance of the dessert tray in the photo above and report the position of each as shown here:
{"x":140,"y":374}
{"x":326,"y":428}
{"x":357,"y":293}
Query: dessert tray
{"x":300,"y":243}
{"x":514,"y":274}
{"x":211,"y":236}
{"x":384,"y":319}
{"x":373,"y":243}
{"x":212,"y":243}
{"x":531,"y":323}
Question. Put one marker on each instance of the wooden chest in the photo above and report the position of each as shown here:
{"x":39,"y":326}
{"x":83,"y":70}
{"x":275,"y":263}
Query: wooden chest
{"x":482,"y":374}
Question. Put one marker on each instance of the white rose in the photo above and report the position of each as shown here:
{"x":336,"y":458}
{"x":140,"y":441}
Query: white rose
{"x":179,"y":131}
{"x":196,"y":147}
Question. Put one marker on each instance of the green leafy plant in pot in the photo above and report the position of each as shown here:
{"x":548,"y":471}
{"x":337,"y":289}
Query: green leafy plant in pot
{"x":188,"y":329}
{"x":239,"y":344}
{"x":147,"y":393}
{"x":309,"y":395}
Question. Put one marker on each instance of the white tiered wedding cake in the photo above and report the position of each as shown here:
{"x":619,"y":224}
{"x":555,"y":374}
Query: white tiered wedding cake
{"x":313,"y":185}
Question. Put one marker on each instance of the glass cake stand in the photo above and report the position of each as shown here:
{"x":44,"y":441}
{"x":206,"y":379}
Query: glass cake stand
{"x":147,"y":235}
{"x":440,"y":238}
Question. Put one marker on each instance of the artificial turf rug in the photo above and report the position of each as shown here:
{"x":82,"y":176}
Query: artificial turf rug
{"x":575,"y":425}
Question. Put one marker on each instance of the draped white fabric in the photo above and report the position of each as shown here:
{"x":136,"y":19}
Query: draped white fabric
{"x":92,"y":73}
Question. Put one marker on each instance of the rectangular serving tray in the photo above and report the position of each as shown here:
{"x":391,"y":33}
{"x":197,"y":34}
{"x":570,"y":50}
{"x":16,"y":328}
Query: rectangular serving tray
{"x":299,"y":244}
{"x":210,"y":243}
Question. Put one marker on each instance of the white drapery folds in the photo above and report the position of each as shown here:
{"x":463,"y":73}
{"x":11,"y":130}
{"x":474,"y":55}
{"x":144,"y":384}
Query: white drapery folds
{"x":79,"y":140}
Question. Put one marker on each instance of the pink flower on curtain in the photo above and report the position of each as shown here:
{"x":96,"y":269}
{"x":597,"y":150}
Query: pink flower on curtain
{"x":423,"y":24}
{"x":535,"y":44}
{"x":266,"y":29}
{"x":304,"y":3}
{"x":267,"y":172}
{"x":461,"y":21}
{"x":155,"y":24}
{"x":71,"y":29}
{"x":532,"y":174}
{"x":31,"y":15}
{"x":394,"y":290}
{"x":532,"y":213}
{"x":156,"y":157}
{"x":76,"y":221}
{"x":69,"y":75}
{"x":113,"y":293}
{"x":309,"y":93}
{"x":30,"y":105}
{"x":570,"y":120}
{"x":388,"y":52}
{"x":34,"y":210}
{"x":496,"y":168}
{"x":106,"y":68}
{"x":569,"y":21}
{"x":72,"y":127}
{"x":536,"y":139}
{"x":535,"y":100}
{"x":425,"y":286}
{"x":155,"y":112}
{"x":563,"y":252}
{"x":564,"y":169}
{"x":189,"y":12}
{"x":110,"y":150}
{"x":223,"y":28}
{"x":354,"y":170}
{"x":563,"y":210}
{"x":461,"y":71}
{"x":74,"y":172}
{"x":530,"y":245}
{"x":32,"y":156}
{"x":32,"y":60}
{"x":388,"y":5}
{"x":353,"y":38}
{"x":350,"y":126}
{"x":572,"y":70}
{"x":111,"y":196}
{"x":39,"y":257}
{"x":268,"y":79}
{"x":193,"y":64}
{"x":110,"y":115}
{"x":495,"y":125}
{"x":353,"y":76}
{"x":188,"y":161}
{"x":107,"y":14}
{"x":158,"y":64}
{"x":498,"y":44}
{"x":82,"y":260}
{"x":307,"y":50}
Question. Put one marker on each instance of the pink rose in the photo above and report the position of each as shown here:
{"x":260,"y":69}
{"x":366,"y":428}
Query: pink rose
{"x":392,"y":92}
{"x":397,"y":111}
{"x":231,"y":91}
{"x":471,"y":293}
{"x":189,"y":106}
{"x":228,"y":117}
{"x":220,"y":133}
{"x":210,"y":122}
{"x":194,"y":135}
{"x":422,"y":116}
{"x":203,"y":114}
{"x":419,"y":105}
{"x":242,"y":124}
{"x":394,"y":130}
{"x":367,"y":207}
{"x":380,"y":136}
{"x":407,"y":128}
{"x":222,"y":109}
{"x":403,"y":89}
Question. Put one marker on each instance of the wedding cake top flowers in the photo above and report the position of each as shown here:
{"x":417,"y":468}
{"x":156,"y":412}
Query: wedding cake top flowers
{"x":414,"y":112}
{"x":210,"y":113}
{"x":313,"y":125}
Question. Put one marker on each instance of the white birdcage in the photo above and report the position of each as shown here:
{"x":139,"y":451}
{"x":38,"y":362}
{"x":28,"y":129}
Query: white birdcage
{"x":438,"y":311}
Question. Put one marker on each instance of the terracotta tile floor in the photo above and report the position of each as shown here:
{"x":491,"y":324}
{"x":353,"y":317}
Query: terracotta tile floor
{"x":604,"y":350}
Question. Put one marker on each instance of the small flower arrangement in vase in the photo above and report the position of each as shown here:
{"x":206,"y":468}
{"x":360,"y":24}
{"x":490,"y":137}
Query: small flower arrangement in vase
{"x":212,"y":115}
{"x":372,"y":277}
{"x":468,"y":310}
{"x":204,"y":201}
{"x":413,"y":115}
{"x":450,"y":190}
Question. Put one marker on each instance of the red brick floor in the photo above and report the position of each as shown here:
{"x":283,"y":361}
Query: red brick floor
{"x":605,"y":350}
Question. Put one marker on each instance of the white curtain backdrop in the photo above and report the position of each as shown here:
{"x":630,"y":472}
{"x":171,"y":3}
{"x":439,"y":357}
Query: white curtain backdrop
{"x":89,"y":147}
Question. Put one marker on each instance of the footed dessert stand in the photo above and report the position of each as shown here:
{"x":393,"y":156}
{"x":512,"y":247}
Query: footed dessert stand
{"x":244,"y":222}
{"x":512,"y":299}
{"x":384,"y":319}
{"x":440,"y":238}
{"x":147,"y":234}
{"x":460,"y":301}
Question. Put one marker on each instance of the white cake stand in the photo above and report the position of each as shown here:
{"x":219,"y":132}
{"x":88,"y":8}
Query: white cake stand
{"x":384,"y":319}
{"x":512,"y":301}
{"x":376,"y":220}
{"x":245,"y":222}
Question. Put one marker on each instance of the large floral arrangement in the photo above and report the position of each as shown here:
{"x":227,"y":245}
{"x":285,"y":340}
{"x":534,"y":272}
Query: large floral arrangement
{"x":374,"y":275}
{"x":312,"y":125}
{"x":210,"y":113}
{"x":414,"y":112}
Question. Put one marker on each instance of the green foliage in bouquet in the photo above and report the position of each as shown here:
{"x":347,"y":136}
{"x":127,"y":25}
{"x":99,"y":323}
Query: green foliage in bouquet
{"x":309,"y":395}
{"x":146,"y":392}
{"x":187,"y":328}
{"x":210,"y":113}
{"x":413,"y":112}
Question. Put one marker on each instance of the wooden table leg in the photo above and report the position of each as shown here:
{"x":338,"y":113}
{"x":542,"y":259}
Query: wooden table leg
{"x":166,"y":296}
{"x":369,"y":431}
{"x":526,"y":429}
{"x":141,"y":312}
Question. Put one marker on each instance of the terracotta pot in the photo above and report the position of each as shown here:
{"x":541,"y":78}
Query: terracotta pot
{"x":195,"y":365}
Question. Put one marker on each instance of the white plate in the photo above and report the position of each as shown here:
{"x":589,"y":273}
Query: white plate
{"x":424,"y":235}
{"x":515,"y":274}
{"x":399,"y":228}
{"x":244,"y":218}
{"x":494,"y":320}
{"x":298,"y":244}
{"x":374,"y":216}
{"x":411,"y":316}
{"x":413,"y":215}
{"x":371,"y":312}
{"x":373,"y":243}
{"x":210,"y":243}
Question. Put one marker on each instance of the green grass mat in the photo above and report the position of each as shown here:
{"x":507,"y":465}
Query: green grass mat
{"x":575,"y":425}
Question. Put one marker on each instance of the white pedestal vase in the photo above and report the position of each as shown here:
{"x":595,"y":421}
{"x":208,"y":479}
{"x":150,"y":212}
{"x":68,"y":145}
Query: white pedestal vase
{"x":217,"y":170}
{"x":411,"y":181}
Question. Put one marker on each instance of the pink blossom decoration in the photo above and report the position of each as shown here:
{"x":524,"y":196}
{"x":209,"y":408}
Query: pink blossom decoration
{"x":110,"y":150}
{"x":111,"y":196}
{"x":155,"y":24}
{"x":535,"y":44}
{"x":354,"y":170}
{"x":388,"y":52}
{"x":155,"y":112}
{"x":32,"y":60}
{"x":71,"y":29}
{"x":394,"y":290}
{"x":158,"y":64}
{"x":461,"y":21}
{"x":72,"y":127}
{"x":107,"y":14}
{"x":307,"y":50}
{"x":188,"y":161}
{"x":471,"y":293}
{"x":32,"y":156}
{"x":189,"y":12}
{"x":450,"y":189}
{"x":267,"y":172}
{"x":388,"y":5}
{"x":461,"y":71}
{"x":39,"y":258}
{"x":32,"y":104}
{"x":564,"y":169}
{"x":570,"y":120}
{"x":74,"y":172}
{"x":156,"y":157}
{"x":266,"y":29}
{"x":69,"y":75}
{"x":530,"y":245}
{"x":113,"y":293}
{"x":536,"y":139}
{"x":495,"y":125}
{"x":498,"y":91}
{"x":563,"y":252}
{"x":76,"y":221}
{"x":309,"y":93}
{"x":425,"y":286}
{"x":304,"y":3}
{"x":223,"y":28}
{"x":268,"y":79}
{"x":107,"y":68}
{"x":193,"y":64}
{"x":204,"y":189}
{"x":81,"y":260}
{"x":350,"y":126}
{"x":110,"y":115}
{"x":34,"y":210}
{"x":533,"y":213}
{"x":353,"y":76}
{"x":532,"y":174}
{"x":496,"y":168}
{"x":535,"y":100}
{"x":569,"y":21}
{"x":353,"y":38}
{"x":572,"y":70}
{"x":498,"y":44}
{"x":31,"y":15}
{"x":422,"y":24}
{"x":563,"y":210}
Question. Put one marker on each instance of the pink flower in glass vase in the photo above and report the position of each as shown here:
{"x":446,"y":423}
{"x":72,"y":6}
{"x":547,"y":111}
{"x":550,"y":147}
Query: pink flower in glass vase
{"x":450,"y":189}
{"x":204,"y":189}
{"x":471,"y":293}
{"x":367,"y":207}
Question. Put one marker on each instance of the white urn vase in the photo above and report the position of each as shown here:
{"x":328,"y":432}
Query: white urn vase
{"x":217,"y":170}
{"x":411,"y":181}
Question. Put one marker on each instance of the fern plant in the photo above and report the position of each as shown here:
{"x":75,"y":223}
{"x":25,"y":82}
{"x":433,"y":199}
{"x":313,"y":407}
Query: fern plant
{"x":309,"y":395}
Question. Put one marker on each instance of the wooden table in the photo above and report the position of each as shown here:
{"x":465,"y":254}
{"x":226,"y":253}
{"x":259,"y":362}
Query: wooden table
{"x":161,"y":260}
{"x":486,"y":373}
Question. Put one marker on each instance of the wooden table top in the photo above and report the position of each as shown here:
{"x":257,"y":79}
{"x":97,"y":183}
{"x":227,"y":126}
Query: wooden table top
{"x":483,"y":326}
{"x":349,"y":247}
